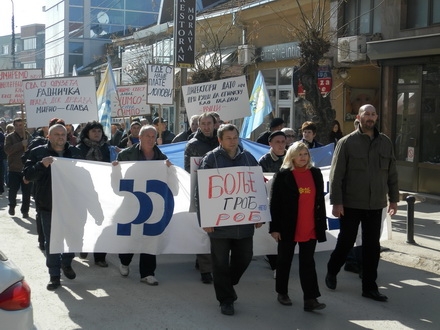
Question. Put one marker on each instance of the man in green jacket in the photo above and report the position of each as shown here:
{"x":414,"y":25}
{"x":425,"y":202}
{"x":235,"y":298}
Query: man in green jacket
{"x":363,"y":174}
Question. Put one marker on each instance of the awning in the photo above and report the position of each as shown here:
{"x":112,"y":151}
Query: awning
{"x":426,"y":45}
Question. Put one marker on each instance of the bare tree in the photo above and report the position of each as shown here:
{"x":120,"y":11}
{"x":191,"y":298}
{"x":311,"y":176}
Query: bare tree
{"x":314,"y":42}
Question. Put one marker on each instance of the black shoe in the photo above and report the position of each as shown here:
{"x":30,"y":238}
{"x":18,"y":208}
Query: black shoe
{"x":11,"y":210}
{"x":284,"y":299}
{"x":101,"y":263}
{"x":68,"y":272}
{"x":375,"y":295}
{"x":83,"y":255}
{"x":227,"y":308}
{"x":311,"y":305}
{"x":25,"y":215}
{"x":54,"y":283}
{"x":41,"y":246}
{"x":196,"y":266}
{"x":206,"y":278}
{"x":330,"y":281}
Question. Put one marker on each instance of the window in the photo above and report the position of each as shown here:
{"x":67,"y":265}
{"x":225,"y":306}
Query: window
{"x":430,"y":114}
{"x":5,"y":49}
{"x":30,"y":43}
{"x":422,"y":13}
{"x":31,"y":65}
{"x":362,"y":17}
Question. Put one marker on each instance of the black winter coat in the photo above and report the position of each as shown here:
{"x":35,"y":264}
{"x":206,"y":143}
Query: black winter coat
{"x":284,"y":199}
{"x":34,"y":170}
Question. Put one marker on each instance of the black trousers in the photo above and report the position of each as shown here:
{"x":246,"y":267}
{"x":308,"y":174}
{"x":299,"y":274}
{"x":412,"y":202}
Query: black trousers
{"x":230,"y":259}
{"x":147,"y":263}
{"x":370,"y":221}
{"x":307,"y":270}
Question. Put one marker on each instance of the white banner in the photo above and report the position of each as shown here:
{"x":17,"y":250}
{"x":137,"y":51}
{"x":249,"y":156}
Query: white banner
{"x":232,"y":196}
{"x":132,"y":101}
{"x":11,"y":84}
{"x":160,"y":84}
{"x":72,"y":99}
{"x":133,"y":207}
{"x":228,"y":97}
{"x":127,"y":208}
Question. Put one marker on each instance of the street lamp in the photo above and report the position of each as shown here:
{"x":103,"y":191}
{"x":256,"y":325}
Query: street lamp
{"x":13,"y":36}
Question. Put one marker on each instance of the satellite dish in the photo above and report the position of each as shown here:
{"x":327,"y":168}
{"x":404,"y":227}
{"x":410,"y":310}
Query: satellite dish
{"x":103,"y":18}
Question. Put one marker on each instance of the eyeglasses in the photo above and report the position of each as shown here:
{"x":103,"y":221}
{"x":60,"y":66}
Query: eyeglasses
{"x":290,"y":136}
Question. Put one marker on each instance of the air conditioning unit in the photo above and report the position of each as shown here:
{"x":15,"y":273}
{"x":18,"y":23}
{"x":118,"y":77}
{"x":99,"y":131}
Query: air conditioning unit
{"x":352,"y":49}
{"x":245,"y":54}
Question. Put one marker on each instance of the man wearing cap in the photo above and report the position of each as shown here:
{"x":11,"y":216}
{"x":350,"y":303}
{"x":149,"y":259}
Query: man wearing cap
{"x":164,"y":136}
{"x":133,"y":137}
{"x":271,"y":163}
{"x":277,"y":124}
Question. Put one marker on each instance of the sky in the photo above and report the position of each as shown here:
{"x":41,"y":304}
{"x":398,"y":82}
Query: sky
{"x":25,"y":12}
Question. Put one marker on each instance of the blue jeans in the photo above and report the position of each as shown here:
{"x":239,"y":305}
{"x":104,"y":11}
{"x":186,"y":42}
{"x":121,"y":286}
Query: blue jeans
{"x":53,"y":261}
{"x":15,"y":182}
{"x":230,"y":259}
{"x":371,"y":221}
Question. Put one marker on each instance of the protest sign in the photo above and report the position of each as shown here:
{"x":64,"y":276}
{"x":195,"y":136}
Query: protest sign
{"x":11,"y":84}
{"x":228,"y":97}
{"x":193,"y":167}
{"x":132,"y":101}
{"x":160,"y":84}
{"x":72,"y":99}
{"x":232,"y":196}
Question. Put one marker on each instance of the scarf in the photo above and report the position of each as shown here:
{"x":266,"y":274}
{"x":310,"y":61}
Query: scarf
{"x":94,"y":152}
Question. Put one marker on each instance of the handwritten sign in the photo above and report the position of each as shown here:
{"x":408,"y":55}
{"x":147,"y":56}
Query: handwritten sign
{"x":11,"y":84}
{"x":232,"y":196}
{"x":72,"y":99}
{"x":228,"y":97}
{"x":132,"y":101}
{"x":160,"y":84}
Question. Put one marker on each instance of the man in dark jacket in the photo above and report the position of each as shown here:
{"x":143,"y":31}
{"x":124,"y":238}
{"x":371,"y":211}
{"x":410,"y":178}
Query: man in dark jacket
{"x":37,"y":169}
{"x":204,"y":140}
{"x":277,"y":124}
{"x":184,"y":136}
{"x":231,"y":246}
{"x":146,"y":149}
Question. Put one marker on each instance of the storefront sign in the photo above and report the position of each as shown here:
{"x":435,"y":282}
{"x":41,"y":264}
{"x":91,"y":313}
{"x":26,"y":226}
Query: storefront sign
{"x":184,"y":33}
{"x":280,"y":52}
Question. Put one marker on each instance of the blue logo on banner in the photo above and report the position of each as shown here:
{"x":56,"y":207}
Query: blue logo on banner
{"x":146,"y":207}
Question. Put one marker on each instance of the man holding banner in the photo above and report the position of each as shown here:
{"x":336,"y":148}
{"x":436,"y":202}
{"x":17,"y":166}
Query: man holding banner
{"x":38,"y":169}
{"x":231,"y":245}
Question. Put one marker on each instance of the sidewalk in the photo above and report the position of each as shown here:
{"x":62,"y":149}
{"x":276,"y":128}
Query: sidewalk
{"x":425,"y":253}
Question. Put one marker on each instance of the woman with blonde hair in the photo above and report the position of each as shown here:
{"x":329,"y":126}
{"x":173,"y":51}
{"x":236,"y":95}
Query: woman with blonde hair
{"x":298,"y":217}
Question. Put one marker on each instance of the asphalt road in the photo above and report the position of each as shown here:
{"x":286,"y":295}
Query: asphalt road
{"x":100,"y":298}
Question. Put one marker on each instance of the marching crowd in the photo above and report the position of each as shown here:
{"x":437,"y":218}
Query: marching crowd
{"x":363,"y":181}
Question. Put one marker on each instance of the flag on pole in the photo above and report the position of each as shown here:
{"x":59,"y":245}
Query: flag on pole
{"x":260,"y":107}
{"x":103,"y":95}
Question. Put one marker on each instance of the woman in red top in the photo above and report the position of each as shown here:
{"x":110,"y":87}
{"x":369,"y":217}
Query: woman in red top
{"x":298,"y":216}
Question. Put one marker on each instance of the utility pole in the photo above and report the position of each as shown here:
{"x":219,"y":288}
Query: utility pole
{"x":13,"y":36}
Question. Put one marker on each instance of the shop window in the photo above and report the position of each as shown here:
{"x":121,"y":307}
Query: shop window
{"x":430,"y":115}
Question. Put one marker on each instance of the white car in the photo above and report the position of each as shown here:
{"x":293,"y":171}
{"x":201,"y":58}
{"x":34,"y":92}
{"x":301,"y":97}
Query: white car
{"x":15,"y":297}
